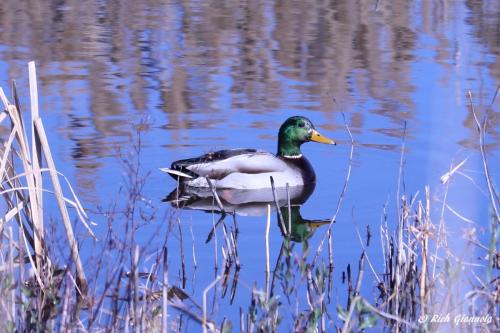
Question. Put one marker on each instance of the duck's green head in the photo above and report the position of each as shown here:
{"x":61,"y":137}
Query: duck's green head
{"x":294,"y":132}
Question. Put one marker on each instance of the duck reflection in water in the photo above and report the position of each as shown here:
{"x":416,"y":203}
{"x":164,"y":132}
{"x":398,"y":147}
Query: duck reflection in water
{"x":253,"y":203}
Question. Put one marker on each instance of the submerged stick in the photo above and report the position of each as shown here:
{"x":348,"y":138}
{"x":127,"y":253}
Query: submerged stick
{"x":275,"y":197}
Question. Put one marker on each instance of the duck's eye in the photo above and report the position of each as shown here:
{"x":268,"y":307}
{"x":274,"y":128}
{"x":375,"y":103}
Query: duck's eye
{"x":302,"y":124}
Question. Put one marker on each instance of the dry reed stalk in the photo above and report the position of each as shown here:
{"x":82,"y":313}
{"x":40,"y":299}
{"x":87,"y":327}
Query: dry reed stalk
{"x":389,"y":316}
{"x":268,"y":223}
{"x":250,"y":323}
{"x":3,"y":116}
{"x":275,"y":197}
{"x":82,"y":280}
{"x":36,"y":161}
{"x":425,"y":239}
{"x":289,"y":210}
{"x":16,"y":208}
{"x":115,"y":297}
{"x":192,"y":247}
{"x":446,"y":177}
{"x":441,"y":238}
{"x":127,"y":320}
{"x":164,"y":321}
{"x":323,"y":321}
{"x":7,"y":149}
{"x":16,"y":120}
{"x":178,"y":305}
{"x":400,"y":226}
{"x":330,"y":265}
{"x":205,"y":323}
{"x":235,"y":249}
{"x":399,"y":260}
{"x":309,"y":289}
{"x":229,"y":248}
{"x":234,"y":285}
{"x":242,"y":321}
{"x":353,"y":299}
{"x":11,"y":272}
{"x":368,"y":235}
{"x":275,"y":270}
{"x":33,"y":265}
{"x":33,"y":175}
{"x":349,"y":286}
{"x":65,"y":308}
{"x":10,"y":215}
{"x":216,"y":196}
{"x":364,"y":249}
{"x":183,"y":257}
{"x":214,"y":226}
{"x":135,"y":287}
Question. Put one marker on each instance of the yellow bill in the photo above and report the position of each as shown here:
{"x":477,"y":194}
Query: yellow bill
{"x":317,"y":137}
{"x":315,"y":224}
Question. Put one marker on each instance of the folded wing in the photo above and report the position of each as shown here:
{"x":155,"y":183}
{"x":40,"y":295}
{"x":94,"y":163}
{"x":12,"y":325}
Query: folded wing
{"x":219,"y":164}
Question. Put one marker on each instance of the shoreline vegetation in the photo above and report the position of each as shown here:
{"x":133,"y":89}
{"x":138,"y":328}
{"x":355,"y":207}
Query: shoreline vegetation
{"x":425,"y":284}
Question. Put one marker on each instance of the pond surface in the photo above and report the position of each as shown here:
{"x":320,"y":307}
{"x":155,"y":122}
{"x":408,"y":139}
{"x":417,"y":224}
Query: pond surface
{"x":135,"y":85}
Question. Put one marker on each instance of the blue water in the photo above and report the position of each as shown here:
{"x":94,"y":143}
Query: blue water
{"x":179,"y":80}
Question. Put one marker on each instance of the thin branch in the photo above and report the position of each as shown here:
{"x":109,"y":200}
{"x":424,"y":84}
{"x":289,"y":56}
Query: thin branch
{"x":344,"y":190}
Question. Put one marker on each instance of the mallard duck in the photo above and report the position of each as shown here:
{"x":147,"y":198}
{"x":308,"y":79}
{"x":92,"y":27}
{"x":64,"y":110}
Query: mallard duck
{"x":252,"y":168}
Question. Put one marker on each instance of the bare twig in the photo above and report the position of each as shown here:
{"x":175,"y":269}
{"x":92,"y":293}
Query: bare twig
{"x":355,"y":295}
{"x":342,"y":193}
{"x":205,"y":323}
{"x":216,"y":196}
{"x":493,"y":195}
